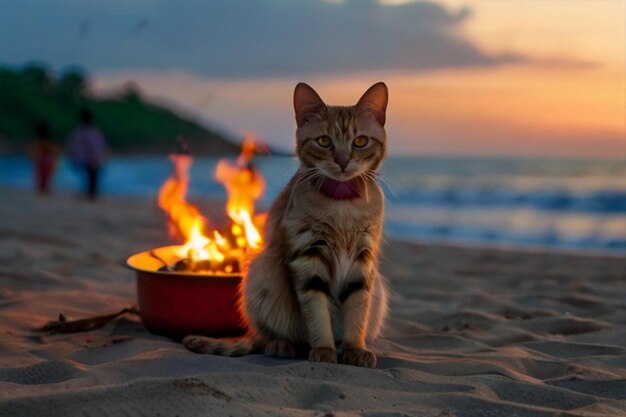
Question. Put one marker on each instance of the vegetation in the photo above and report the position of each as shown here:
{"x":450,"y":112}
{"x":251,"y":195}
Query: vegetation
{"x":129,"y":123}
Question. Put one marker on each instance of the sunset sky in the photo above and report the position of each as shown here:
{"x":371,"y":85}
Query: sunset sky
{"x":479,"y":77}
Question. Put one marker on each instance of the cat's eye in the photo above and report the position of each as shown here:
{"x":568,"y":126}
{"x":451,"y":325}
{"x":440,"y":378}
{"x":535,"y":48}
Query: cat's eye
{"x":360,"y":141}
{"x":324,"y":141}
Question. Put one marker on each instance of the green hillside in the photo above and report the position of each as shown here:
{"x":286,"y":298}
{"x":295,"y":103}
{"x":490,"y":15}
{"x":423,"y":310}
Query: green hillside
{"x":129,"y":123}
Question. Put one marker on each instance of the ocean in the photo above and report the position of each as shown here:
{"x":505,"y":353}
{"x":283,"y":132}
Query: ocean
{"x":533,"y":203}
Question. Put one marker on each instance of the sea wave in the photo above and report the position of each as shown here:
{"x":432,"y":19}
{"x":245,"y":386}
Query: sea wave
{"x":560,"y":200}
{"x":572,"y":204}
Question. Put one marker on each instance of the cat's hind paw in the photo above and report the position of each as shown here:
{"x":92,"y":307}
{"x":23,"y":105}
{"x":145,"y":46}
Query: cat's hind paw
{"x":199,"y":344}
{"x":235,"y":346}
{"x":323,"y":354}
{"x":281,"y":348}
{"x":358,"y":357}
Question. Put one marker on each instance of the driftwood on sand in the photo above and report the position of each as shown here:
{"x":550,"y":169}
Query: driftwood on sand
{"x":62,"y":325}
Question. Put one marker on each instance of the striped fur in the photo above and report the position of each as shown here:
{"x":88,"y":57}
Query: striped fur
{"x":316,"y":282}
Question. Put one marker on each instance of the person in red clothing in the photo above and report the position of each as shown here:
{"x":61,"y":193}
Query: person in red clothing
{"x":45,"y":156}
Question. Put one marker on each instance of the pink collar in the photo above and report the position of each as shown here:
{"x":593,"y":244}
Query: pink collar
{"x":340,"y":190}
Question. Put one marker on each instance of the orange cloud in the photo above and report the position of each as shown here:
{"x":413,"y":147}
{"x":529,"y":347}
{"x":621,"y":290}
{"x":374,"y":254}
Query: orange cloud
{"x":518,"y":110}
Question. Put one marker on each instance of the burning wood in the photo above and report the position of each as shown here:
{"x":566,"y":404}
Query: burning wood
{"x":208,"y":250}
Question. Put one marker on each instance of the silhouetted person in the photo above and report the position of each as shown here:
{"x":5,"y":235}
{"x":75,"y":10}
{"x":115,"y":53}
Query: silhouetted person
{"x":45,"y":155}
{"x":87,"y":149}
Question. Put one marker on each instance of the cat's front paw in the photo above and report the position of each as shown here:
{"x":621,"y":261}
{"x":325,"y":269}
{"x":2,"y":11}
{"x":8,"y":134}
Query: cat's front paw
{"x":323,"y":354}
{"x":358,"y":357}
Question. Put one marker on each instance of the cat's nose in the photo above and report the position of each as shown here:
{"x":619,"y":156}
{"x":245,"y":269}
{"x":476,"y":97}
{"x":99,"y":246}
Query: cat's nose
{"x":342,"y":161}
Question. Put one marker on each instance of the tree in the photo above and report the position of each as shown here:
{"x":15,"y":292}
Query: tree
{"x":131,"y":93}
{"x":71,"y":86}
{"x":37,"y":76}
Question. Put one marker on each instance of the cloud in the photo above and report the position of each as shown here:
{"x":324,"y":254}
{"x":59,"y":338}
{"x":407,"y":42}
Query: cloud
{"x":241,"y":38}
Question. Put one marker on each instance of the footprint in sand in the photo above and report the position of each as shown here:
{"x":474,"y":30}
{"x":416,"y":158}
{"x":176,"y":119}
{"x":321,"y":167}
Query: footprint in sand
{"x":47,"y":372}
{"x":563,"y":325}
{"x":614,"y":389}
{"x":569,"y":350}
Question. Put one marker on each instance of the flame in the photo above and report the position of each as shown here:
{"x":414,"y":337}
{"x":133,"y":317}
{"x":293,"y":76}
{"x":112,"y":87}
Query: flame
{"x":206,"y":249}
{"x":243,"y":185}
{"x":184,"y":219}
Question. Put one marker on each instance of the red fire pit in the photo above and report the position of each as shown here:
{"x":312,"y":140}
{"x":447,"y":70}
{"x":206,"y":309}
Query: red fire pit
{"x":178,"y":303}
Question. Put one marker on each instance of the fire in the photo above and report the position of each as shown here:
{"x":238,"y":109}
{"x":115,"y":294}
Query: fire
{"x":207,"y":249}
{"x":243,"y":185}
{"x":184,"y":219}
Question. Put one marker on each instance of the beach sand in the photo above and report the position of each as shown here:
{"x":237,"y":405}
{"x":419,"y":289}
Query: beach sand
{"x":472,"y":331}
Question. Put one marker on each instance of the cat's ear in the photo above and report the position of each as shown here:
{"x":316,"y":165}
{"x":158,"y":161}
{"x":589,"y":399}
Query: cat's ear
{"x":308,"y":104}
{"x":374,"y":102}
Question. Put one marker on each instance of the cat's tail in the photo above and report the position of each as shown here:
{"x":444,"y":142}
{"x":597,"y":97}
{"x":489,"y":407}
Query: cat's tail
{"x":232,"y":346}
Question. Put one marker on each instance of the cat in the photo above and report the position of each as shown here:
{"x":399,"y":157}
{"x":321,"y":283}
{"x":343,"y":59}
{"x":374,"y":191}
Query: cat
{"x":316,"y":282}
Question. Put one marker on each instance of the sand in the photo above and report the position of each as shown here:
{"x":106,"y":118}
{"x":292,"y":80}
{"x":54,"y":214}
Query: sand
{"x":472,"y":331}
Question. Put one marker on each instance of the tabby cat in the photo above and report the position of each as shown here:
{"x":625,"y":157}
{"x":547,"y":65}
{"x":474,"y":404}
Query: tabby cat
{"x":316,"y":284}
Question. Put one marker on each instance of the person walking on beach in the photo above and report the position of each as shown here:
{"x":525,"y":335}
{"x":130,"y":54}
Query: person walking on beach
{"x":45,"y":155}
{"x":87,"y":148}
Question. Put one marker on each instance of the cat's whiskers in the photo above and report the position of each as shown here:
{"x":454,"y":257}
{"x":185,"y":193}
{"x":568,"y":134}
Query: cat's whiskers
{"x":305,"y":174}
{"x":376,"y":177}
{"x":387,"y":186}
{"x":363,"y":178}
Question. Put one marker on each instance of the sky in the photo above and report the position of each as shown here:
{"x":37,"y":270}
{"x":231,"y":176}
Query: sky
{"x":466,"y":77}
